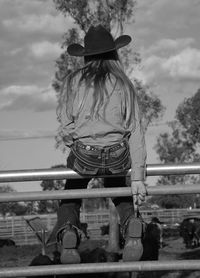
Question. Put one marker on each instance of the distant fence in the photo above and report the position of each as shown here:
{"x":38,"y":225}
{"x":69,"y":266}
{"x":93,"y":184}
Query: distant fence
{"x":15,"y":227}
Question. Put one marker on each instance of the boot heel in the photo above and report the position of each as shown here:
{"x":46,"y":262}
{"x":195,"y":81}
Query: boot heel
{"x":133,"y":248}
{"x":69,"y":242}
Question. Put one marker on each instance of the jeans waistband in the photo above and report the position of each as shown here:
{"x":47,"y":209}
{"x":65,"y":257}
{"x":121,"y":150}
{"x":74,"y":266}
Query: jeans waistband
{"x":110,"y":148}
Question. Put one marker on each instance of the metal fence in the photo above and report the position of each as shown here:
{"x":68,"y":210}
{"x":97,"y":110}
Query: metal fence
{"x":151,"y":170}
{"x":16,"y":228}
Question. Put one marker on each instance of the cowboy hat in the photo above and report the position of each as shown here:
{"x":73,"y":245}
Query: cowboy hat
{"x":97,"y":41}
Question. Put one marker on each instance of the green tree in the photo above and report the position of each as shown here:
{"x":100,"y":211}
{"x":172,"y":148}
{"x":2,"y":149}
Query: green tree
{"x":11,"y":208}
{"x":150,"y":105}
{"x":181,"y":146}
{"x":49,"y":206}
{"x":112,"y":13}
{"x":188,"y":114}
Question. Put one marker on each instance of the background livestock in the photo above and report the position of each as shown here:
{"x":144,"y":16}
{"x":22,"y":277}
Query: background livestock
{"x":97,"y":255}
{"x":6,"y":242}
{"x":190,"y":232}
{"x":151,"y":242}
{"x":41,"y":260}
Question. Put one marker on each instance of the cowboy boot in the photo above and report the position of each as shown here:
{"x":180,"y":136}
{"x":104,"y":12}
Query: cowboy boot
{"x":69,"y":240}
{"x":133,"y":248}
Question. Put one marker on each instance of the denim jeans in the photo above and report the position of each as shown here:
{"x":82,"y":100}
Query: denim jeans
{"x":112,"y":160}
{"x":95,"y":160}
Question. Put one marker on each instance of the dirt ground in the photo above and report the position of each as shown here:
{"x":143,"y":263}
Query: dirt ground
{"x":174,"y":250}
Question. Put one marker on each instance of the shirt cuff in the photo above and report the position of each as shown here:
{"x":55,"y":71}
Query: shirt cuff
{"x":138,"y":174}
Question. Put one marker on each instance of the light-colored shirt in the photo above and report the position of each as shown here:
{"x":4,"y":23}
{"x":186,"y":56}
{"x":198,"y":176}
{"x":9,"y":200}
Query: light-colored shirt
{"x":109,"y":128}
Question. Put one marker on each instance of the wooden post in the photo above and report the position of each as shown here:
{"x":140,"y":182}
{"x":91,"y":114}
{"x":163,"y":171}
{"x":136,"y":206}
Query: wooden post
{"x":113,"y":229}
{"x":43,"y":237}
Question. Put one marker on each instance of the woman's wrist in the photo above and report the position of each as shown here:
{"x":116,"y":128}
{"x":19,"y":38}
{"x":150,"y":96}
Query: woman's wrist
{"x":138,"y":174}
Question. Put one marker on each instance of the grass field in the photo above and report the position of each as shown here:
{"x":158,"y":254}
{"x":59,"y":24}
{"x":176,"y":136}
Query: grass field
{"x":174,"y":249}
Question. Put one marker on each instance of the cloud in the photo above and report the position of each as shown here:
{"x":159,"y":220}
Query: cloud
{"x":46,"y":48}
{"x":166,"y":34}
{"x":155,"y":19}
{"x":30,"y":35}
{"x":165,"y":46}
{"x":185,"y":65}
{"x":172,"y":69}
{"x":152,"y":68}
{"x":180,"y":64}
{"x":11,"y":134}
{"x":32,"y":17}
{"x":31,"y":98}
{"x":45,"y":23}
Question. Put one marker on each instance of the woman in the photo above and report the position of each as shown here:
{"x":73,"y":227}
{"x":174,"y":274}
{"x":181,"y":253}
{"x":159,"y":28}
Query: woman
{"x":100,"y":123}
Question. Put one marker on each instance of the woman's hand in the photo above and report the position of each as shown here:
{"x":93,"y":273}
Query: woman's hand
{"x":139,"y":192}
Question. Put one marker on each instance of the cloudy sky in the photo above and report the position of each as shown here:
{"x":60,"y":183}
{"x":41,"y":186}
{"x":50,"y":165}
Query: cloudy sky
{"x":165,"y":32}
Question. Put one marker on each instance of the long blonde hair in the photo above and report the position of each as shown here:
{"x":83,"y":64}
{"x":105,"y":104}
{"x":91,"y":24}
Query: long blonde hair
{"x":96,"y":73}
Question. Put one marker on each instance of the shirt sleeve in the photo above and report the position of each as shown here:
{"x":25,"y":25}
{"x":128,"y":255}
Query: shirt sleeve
{"x":137,"y":148}
{"x":66,"y":127}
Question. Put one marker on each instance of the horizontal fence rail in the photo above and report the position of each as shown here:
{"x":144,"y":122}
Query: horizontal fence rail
{"x":100,"y":268}
{"x":63,"y":173}
{"x":96,"y":193}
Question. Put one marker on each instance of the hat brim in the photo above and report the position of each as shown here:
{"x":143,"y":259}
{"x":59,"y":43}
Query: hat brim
{"x":78,"y":50}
